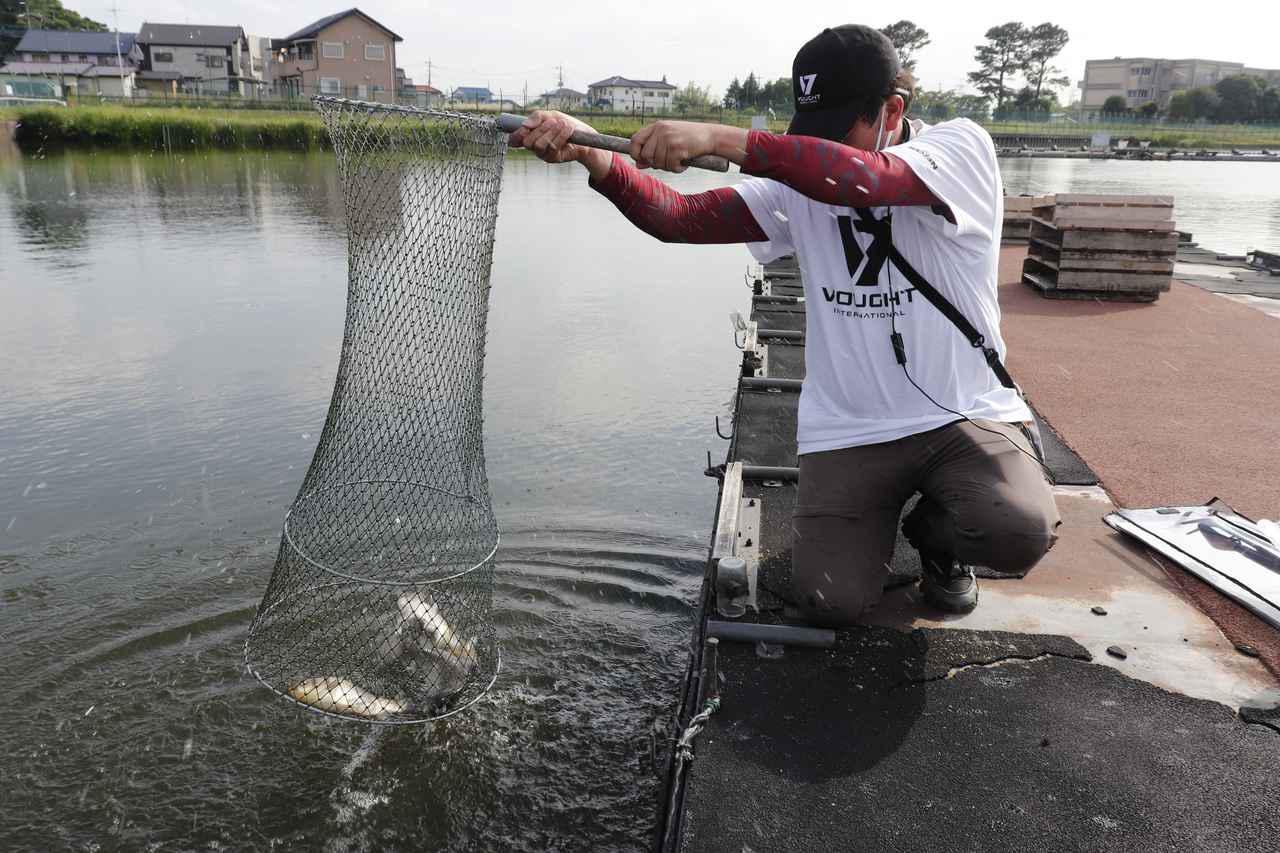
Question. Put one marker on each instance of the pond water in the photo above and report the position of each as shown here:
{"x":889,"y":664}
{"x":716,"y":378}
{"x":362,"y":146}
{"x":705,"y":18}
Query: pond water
{"x":170,"y":331}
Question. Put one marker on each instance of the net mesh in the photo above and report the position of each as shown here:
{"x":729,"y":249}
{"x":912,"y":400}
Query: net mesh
{"x":379,"y":605}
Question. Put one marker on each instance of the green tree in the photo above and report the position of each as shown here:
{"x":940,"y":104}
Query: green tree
{"x":1044,"y":42}
{"x":45,"y":15}
{"x":973,"y":106}
{"x":1204,"y":102}
{"x":692,"y":98}
{"x":1115,"y":105}
{"x":1149,"y":110}
{"x":750,"y":98}
{"x":907,"y":38}
{"x":1194,"y":104}
{"x":1002,"y":56}
{"x":1239,"y":97}
{"x":1028,"y":101}
{"x":1269,"y":104}
{"x":733,"y":94}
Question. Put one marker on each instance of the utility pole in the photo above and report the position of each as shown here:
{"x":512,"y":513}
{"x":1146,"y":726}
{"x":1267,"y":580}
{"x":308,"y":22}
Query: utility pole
{"x":428,"y":72}
{"x":115,"y":11}
{"x":525,"y":102}
{"x":559,"y":76}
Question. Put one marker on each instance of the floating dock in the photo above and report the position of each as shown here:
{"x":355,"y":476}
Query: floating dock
{"x":1095,"y":704}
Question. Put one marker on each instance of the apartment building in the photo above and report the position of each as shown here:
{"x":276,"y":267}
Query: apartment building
{"x":1144,"y":78}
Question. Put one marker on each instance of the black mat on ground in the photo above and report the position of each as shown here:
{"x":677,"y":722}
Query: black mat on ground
{"x":770,"y":317}
{"x":786,"y":361}
{"x":974,"y":741}
{"x":1067,"y":466}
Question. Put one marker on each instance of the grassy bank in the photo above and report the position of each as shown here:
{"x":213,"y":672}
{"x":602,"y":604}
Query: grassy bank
{"x":175,"y":129}
{"x":50,"y":128}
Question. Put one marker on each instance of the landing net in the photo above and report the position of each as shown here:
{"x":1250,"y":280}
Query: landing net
{"x":378,"y":608}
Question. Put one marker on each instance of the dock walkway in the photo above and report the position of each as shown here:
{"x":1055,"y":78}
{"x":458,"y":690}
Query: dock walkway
{"x":1013,"y":727}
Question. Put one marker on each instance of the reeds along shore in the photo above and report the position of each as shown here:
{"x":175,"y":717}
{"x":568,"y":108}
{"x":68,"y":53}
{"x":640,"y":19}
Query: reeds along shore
{"x":49,"y":128}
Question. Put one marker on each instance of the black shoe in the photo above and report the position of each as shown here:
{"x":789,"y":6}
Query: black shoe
{"x":948,"y":584}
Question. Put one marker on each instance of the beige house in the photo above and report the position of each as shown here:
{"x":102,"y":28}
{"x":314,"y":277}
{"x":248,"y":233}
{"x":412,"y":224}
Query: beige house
{"x":347,"y":54}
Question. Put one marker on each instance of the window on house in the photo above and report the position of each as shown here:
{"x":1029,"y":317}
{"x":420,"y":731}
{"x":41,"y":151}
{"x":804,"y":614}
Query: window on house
{"x":333,"y":50}
{"x":214,"y":61}
{"x":162,"y":56}
{"x":39,"y":57}
{"x":375,"y":52}
{"x":66,"y":57}
{"x":330,"y":86}
{"x":303,"y":52}
{"x":84,"y":57}
{"x":648,"y":94}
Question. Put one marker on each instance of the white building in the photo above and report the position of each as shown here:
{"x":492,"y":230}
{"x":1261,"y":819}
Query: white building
{"x":625,"y":95}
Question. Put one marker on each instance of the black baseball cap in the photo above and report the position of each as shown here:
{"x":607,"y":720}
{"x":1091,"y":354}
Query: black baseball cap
{"x":836,"y":74}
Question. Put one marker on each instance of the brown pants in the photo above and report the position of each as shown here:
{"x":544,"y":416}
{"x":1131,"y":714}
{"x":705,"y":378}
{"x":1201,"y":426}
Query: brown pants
{"x":983,"y":503}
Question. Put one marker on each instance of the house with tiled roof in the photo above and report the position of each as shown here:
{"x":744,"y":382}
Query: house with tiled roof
{"x":76,"y":62}
{"x":346,"y":54}
{"x":202,"y":59}
{"x":626,"y":95}
{"x":563,"y":98}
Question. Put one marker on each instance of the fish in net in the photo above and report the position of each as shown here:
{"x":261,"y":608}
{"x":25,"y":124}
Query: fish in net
{"x":379,"y":605}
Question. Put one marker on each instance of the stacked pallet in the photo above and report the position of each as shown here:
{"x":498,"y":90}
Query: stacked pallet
{"x":1113,"y":247}
{"x":784,"y":267}
{"x":1017,"y":216}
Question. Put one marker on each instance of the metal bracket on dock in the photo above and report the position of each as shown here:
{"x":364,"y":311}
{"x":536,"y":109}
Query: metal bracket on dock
{"x":755,"y":354}
{"x":738,"y":529}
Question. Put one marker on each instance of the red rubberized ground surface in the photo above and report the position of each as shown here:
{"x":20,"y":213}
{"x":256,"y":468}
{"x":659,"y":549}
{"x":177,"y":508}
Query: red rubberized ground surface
{"x":1171,"y":402}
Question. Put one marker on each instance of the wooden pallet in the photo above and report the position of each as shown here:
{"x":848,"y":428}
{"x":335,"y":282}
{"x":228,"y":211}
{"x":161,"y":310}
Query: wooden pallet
{"x":1109,"y":212}
{"x":1120,"y":281}
{"x":1084,"y":259}
{"x":1163,"y":241}
{"x":1050,"y":291}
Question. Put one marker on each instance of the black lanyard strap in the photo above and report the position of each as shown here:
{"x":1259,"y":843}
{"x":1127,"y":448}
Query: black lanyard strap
{"x":882,"y":247}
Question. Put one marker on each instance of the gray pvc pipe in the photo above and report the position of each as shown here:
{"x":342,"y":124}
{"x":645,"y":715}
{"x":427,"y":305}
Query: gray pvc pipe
{"x":768,"y":382}
{"x":782,"y":635}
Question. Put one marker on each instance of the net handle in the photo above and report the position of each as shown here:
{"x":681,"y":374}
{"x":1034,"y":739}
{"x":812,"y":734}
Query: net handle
{"x":510,"y":123}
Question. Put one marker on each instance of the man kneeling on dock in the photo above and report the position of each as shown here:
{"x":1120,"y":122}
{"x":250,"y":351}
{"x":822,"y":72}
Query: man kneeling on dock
{"x":896,"y":228}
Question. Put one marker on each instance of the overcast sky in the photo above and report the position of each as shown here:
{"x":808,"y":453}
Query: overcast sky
{"x":506,"y":44}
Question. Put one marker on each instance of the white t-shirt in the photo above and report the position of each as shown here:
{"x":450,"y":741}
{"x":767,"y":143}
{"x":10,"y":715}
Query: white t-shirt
{"x":855,"y":392}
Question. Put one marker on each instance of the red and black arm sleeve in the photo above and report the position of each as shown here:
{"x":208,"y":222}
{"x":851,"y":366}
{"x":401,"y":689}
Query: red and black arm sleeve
{"x":833,"y":173}
{"x":715,"y":216}
{"x":824,"y":171}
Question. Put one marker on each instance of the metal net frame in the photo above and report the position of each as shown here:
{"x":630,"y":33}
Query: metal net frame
{"x":379,"y":605}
